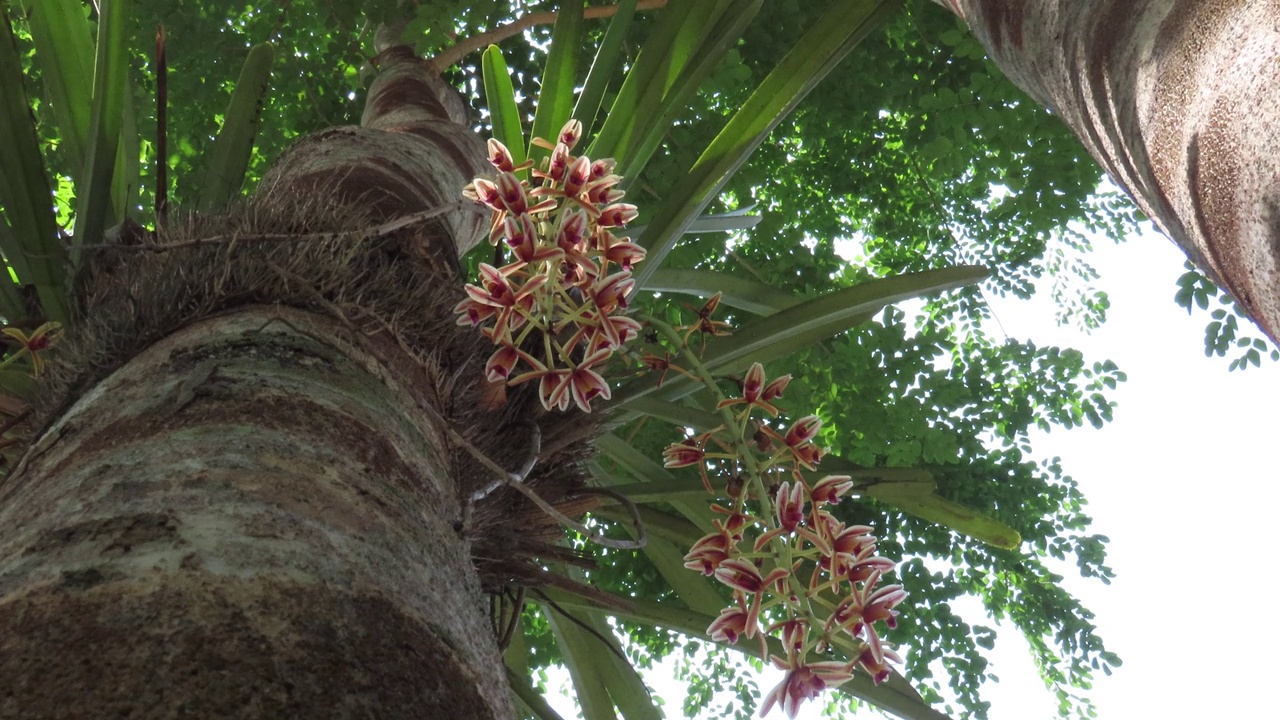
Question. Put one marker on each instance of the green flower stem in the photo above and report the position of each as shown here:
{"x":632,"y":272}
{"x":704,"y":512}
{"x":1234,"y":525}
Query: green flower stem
{"x":695,"y":363}
{"x":781,"y":551}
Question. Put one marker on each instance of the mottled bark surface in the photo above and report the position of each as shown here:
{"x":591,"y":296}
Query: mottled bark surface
{"x":250,"y":519}
{"x":1178,"y":100}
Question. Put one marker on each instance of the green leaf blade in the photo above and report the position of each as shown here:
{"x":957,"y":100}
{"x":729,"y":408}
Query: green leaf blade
{"x":30,"y":243}
{"x":805,"y":324}
{"x":830,"y":39}
{"x":555,"y":98}
{"x":232,"y":149}
{"x":500,"y":95}
{"x":603,"y":66}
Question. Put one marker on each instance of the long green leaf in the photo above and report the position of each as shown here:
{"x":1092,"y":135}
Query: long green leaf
{"x":627,"y":688}
{"x":721,"y":222}
{"x":843,"y":25}
{"x":500,"y":96}
{"x":803,"y":325}
{"x":124,"y":179}
{"x":895,"y":696}
{"x":11,"y":305}
{"x":585,"y":657}
{"x":603,"y":66}
{"x":657,"y":117}
{"x":651,"y":67}
{"x":555,"y":97}
{"x":64,"y":51}
{"x":93,"y":187}
{"x":675,"y":413}
{"x":229,"y":157}
{"x":750,"y":295}
{"x":63,"y":39}
{"x":665,"y":554}
{"x":31,"y":246}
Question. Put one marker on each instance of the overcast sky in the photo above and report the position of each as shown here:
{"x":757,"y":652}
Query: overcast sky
{"x":1184,"y":483}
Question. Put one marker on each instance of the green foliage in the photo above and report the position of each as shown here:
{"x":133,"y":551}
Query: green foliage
{"x":228,"y":159}
{"x":1222,"y":334}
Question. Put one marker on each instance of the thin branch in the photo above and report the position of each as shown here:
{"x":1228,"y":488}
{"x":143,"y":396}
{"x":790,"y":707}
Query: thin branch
{"x":162,"y":138}
{"x":362,"y":234}
{"x":450,"y":56}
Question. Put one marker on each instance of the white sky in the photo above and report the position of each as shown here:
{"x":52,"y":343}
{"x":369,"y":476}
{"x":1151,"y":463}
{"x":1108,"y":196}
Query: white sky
{"x":1183,"y":483}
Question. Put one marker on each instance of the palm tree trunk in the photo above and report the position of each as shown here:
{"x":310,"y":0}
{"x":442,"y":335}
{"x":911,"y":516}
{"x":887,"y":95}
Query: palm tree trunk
{"x":1177,"y":100}
{"x":252,"y":518}
{"x":252,"y":511}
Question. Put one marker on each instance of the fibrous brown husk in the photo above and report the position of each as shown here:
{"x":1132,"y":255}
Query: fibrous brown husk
{"x":398,"y":287}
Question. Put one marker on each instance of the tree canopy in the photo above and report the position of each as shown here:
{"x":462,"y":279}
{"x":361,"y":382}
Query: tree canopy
{"x":913,"y":155}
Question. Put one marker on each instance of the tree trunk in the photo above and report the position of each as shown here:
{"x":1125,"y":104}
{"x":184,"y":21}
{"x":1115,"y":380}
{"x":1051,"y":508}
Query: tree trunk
{"x":1178,"y":101}
{"x":246,"y":503}
{"x":252,"y":518}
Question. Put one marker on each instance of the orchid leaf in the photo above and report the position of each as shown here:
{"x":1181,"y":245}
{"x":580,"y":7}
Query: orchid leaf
{"x":826,"y":43}
{"x":530,"y":697}
{"x":656,"y":114}
{"x":584,"y":656}
{"x":63,"y":40}
{"x":231,"y":151}
{"x":500,"y":96}
{"x":750,"y":295}
{"x":30,"y":243}
{"x":651,"y":67}
{"x":803,"y":325}
{"x":110,"y":84}
{"x":555,"y":98}
{"x":895,"y":696}
{"x":603,"y":66}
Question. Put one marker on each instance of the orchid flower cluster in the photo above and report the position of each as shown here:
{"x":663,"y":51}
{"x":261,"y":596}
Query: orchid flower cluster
{"x":761,"y":552}
{"x":570,"y":277}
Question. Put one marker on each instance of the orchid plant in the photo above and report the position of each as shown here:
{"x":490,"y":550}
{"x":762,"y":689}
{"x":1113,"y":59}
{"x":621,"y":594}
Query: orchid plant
{"x":570,"y":276}
{"x":557,"y":312}
{"x":794,"y":569}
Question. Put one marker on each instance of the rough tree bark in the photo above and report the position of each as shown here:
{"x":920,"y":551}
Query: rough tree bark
{"x":1177,"y":100}
{"x":248,"y":505}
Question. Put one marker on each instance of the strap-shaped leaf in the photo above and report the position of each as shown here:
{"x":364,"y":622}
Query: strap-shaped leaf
{"x":675,"y":413}
{"x":657,"y":115}
{"x":651,"y":66}
{"x":93,"y":187}
{"x":31,"y":246}
{"x":63,"y":39}
{"x":555,"y":97}
{"x":585,"y":657}
{"x":895,"y":696}
{"x":803,"y":325}
{"x":500,"y":96}
{"x":740,"y":219}
{"x":603,"y":67}
{"x":64,"y":52}
{"x":667,"y":554}
{"x":742,"y":293}
{"x":11,"y":305}
{"x":626,"y":687}
{"x":839,"y":29}
{"x":229,"y":157}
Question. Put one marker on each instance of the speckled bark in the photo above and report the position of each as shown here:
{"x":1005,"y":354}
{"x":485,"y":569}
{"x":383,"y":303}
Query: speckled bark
{"x":1178,"y":100}
{"x":249,"y":519}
